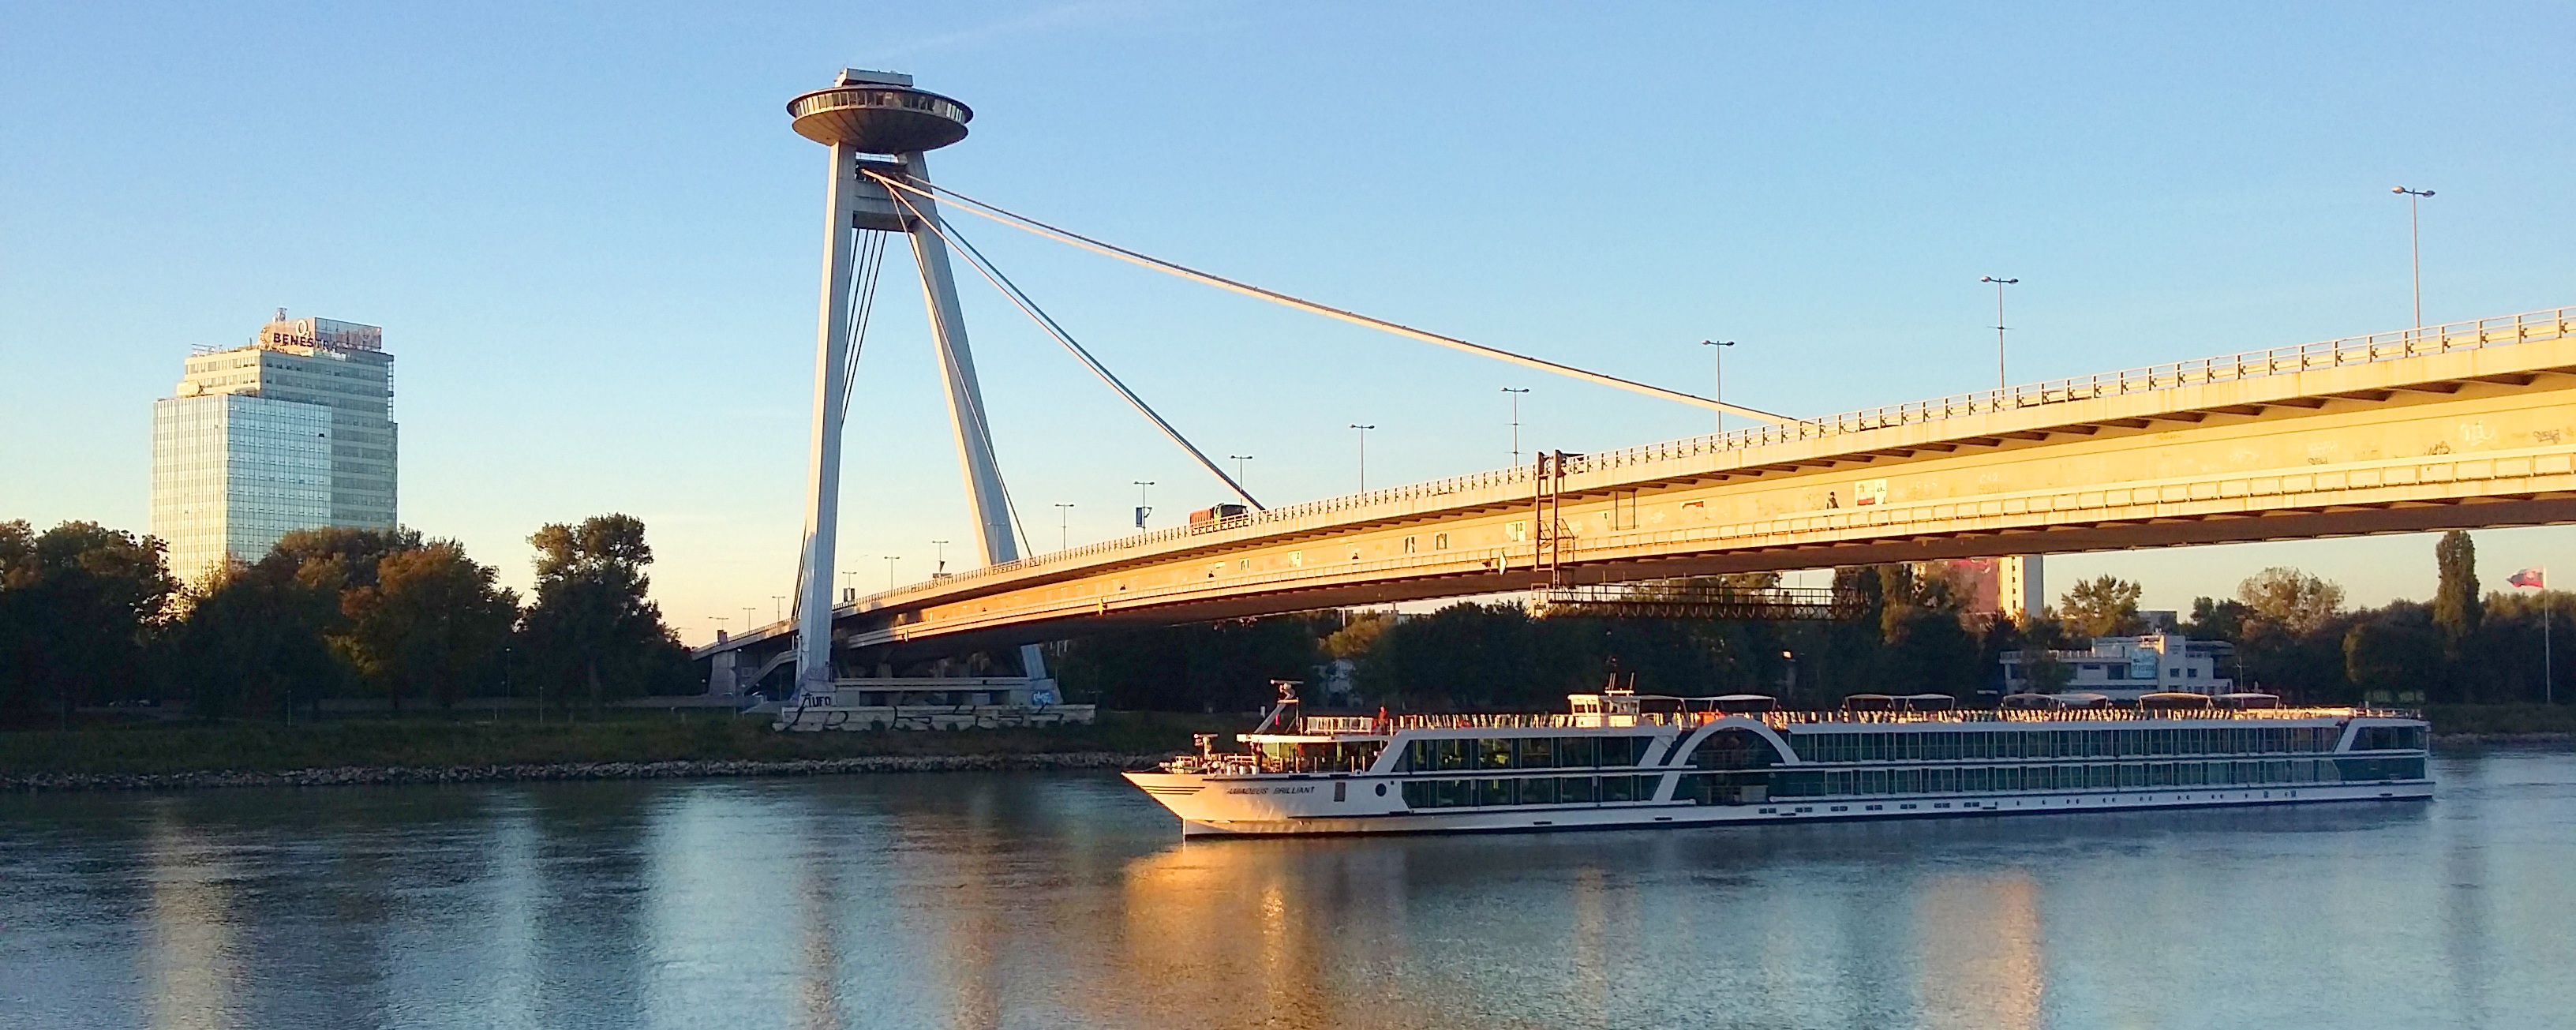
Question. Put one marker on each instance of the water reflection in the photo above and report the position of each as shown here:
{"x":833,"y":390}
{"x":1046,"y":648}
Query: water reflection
{"x":190,"y":963}
{"x":1977,"y":938}
{"x":1020,"y":901}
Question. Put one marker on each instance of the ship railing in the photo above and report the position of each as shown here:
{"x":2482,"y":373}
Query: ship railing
{"x":2045,"y":715}
{"x":1361,"y":725}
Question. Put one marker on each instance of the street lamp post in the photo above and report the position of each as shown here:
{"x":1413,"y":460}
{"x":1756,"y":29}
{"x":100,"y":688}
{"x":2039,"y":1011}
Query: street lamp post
{"x":1063,"y":526}
{"x":1238,"y":460}
{"x":778,"y":605}
{"x":1515,"y":394}
{"x":746,"y":617}
{"x":1141,"y":509}
{"x":2000,"y":381}
{"x":939,"y":551}
{"x":2415,"y":244}
{"x":890,"y":560}
{"x":1717,"y":375}
{"x":1364,"y":432}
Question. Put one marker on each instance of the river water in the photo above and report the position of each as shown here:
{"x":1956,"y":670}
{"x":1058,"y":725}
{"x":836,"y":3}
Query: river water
{"x":1030,"y":900}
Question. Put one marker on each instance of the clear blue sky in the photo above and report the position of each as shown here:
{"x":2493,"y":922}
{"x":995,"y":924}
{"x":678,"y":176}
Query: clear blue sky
{"x":591,"y":238}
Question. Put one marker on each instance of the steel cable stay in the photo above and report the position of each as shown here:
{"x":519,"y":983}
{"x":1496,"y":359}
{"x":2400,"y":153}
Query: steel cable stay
{"x":1011,"y":291}
{"x":868,"y":263}
{"x":1067,"y":236}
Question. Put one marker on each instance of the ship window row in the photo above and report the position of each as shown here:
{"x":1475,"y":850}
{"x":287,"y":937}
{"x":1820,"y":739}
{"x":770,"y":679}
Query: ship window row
{"x":1352,"y":756}
{"x":2104,"y":776}
{"x":1524,"y":753}
{"x":1528,"y":790}
{"x":2389,"y":738}
{"x":2090,"y":743}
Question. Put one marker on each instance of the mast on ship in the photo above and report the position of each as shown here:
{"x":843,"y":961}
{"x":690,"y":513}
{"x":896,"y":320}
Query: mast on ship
{"x":1284,"y":715}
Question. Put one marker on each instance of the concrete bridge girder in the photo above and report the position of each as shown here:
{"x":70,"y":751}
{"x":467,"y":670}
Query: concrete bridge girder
{"x":2474,"y":438}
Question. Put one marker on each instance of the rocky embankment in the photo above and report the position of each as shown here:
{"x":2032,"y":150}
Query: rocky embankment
{"x":371,"y":776}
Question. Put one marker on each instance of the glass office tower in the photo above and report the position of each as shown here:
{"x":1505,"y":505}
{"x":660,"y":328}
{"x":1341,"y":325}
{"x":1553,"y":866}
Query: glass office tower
{"x":293,"y":431}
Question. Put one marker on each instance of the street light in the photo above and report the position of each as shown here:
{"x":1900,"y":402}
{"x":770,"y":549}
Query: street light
{"x":1238,"y":460}
{"x":1516,"y":393}
{"x":1063,"y":526}
{"x":1141,"y":509}
{"x":1717,"y":375}
{"x":778,"y":605}
{"x":746,"y":617}
{"x":890,"y":560}
{"x":2415,"y":244}
{"x":939,"y":549}
{"x":1364,"y":432}
{"x":2000,"y":381}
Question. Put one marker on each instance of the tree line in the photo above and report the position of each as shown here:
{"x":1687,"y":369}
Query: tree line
{"x":91,"y":615}
{"x":1912,"y":633}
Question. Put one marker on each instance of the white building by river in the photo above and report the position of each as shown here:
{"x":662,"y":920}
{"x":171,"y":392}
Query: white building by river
{"x":2121,"y":668}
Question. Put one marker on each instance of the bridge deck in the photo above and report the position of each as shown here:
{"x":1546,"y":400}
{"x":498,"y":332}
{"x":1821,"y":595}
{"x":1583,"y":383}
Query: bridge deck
{"x":2469,"y":424}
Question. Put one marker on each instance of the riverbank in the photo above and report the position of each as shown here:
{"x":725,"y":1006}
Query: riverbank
{"x":384,"y":751}
{"x":622,"y":746}
{"x":2475,"y":725}
{"x":386,"y":776}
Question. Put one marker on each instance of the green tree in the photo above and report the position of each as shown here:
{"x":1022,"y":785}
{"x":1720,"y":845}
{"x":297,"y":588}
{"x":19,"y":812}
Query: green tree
{"x":2045,"y":673}
{"x":2397,"y":650}
{"x":1358,"y":635}
{"x":2213,"y":619}
{"x":79,"y":604}
{"x":257,"y":643}
{"x":432,"y":625}
{"x":2106,"y":606}
{"x":593,"y":632}
{"x":2290,"y":600}
{"x":1211,"y":667}
{"x":2456,"y":611}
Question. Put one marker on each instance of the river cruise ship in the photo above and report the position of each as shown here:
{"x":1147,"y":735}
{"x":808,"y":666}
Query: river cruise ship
{"x":1620,"y":759}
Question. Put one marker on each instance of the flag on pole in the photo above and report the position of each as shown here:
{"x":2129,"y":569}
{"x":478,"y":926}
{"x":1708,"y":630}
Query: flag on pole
{"x":2533,"y":578}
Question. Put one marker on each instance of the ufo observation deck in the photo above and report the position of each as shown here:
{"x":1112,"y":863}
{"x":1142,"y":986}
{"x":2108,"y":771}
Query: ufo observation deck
{"x":880,"y":119}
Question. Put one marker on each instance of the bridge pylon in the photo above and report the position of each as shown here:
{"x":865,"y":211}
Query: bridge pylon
{"x":879,"y":123}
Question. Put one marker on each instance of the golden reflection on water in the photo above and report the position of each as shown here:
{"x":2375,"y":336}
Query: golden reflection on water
{"x":1204,"y":928}
{"x":1591,"y":943}
{"x":960,"y":854}
{"x":1979,"y":946}
{"x":189,"y":959}
{"x":818,"y":939}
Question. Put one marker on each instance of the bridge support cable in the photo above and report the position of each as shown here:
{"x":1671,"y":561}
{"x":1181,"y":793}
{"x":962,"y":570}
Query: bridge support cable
{"x":868,"y":264}
{"x":1067,"y":236}
{"x":1010,"y":290}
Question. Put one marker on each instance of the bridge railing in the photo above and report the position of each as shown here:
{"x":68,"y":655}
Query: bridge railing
{"x":2358,"y":350}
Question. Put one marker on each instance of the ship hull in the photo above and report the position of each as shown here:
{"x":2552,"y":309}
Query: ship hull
{"x":1269,"y":806}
